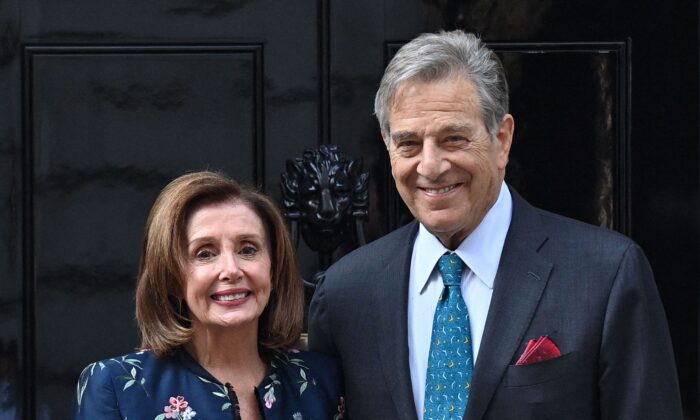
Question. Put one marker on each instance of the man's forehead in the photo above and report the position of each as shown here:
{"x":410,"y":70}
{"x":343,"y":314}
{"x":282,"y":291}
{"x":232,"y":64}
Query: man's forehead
{"x":412,"y":84}
{"x":456,"y":94}
{"x":463,"y":126}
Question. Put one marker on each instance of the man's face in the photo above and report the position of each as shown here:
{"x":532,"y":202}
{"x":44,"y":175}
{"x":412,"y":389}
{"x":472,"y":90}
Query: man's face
{"x":447,"y":167}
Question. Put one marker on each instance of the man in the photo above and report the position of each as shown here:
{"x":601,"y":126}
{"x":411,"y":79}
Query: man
{"x":562,"y":320}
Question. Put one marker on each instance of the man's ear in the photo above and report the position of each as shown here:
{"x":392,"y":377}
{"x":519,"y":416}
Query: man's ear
{"x":504,"y":136}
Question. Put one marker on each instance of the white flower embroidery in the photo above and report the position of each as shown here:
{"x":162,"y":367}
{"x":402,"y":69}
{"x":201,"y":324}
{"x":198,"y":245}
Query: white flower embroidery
{"x":188,"y":414}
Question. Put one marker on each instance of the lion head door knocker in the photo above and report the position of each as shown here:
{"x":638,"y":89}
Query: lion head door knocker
{"x":325,"y":197}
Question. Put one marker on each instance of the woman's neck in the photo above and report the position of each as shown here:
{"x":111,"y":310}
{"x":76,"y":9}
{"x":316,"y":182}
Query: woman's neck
{"x":229,"y":354}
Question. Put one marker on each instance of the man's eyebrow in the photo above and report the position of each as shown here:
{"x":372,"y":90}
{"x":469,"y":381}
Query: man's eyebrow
{"x":402,"y":135}
{"x":451,"y":128}
{"x":457,"y":128}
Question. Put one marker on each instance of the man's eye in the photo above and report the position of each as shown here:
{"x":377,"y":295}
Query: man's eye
{"x":406,"y":144}
{"x":453,"y":139}
{"x":407,"y":147}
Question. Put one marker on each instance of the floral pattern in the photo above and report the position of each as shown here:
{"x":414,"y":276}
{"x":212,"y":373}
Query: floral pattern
{"x":298,"y":385}
{"x":178,"y":409}
{"x":269,"y":396}
{"x":286,"y":360}
{"x":131,"y":366}
{"x":222,"y":392}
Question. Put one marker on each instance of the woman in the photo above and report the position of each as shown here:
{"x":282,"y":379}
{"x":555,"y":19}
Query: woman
{"x":219,"y":304}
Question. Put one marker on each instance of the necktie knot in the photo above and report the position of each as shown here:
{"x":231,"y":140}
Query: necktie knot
{"x":451,"y":268}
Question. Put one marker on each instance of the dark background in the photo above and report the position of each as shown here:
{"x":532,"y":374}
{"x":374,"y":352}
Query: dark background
{"x":103,"y":102}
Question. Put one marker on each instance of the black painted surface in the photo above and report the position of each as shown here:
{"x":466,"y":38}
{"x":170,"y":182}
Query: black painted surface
{"x":108,"y":130}
{"x":102,"y":102}
{"x":579,"y":148}
{"x":12,"y":341}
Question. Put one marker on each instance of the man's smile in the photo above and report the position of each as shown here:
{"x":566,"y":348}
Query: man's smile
{"x":440,"y":190}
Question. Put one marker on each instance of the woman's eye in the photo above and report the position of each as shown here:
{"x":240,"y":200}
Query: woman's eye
{"x":249,"y":250}
{"x":204,"y":254}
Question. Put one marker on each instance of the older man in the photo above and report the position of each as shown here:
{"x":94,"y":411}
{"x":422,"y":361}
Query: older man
{"x":485,"y":307}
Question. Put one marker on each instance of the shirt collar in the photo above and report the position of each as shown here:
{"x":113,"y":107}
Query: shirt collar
{"x":480,"y":251}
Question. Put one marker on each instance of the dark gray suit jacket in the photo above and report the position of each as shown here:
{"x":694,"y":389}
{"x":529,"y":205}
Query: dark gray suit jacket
{"x":590,"y":290}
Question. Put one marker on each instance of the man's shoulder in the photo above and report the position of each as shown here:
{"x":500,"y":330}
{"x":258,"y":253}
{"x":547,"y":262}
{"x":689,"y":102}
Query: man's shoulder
{"x":575,"y":240}
{"x":374,"y":254}
{"x":558,"y":227}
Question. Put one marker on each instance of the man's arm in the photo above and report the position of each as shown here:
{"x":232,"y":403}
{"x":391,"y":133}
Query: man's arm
{"x":320,"y":337}
{"x":636,"y":366}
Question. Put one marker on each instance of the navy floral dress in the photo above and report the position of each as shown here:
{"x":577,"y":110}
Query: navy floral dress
{"x":299,"y":385}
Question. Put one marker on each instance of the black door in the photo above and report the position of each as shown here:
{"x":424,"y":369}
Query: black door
{"x":103,"y":102}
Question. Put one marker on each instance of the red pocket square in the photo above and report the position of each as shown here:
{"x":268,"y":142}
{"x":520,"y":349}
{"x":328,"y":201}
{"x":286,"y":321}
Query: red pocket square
{"x":538,"y":351}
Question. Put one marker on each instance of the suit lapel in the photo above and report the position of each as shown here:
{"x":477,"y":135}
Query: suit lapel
{"x":391,"y":329}
{"x":520,"y":281}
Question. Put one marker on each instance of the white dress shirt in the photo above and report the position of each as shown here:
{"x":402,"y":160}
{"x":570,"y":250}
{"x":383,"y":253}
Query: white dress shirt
{"x":481,"y":252}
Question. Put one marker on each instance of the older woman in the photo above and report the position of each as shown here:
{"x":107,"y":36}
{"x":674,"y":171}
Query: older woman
{"x":219,"y":304}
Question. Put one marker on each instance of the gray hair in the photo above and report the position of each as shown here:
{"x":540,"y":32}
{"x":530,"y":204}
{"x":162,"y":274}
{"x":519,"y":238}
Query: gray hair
{"x":440,"y":56}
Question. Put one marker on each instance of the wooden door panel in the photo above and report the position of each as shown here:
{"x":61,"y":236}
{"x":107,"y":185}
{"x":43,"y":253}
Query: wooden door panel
{"x":109,"y":127}
{"x":103,"y":102}
{"x":570,"y":148}
{"x":119,"y":100}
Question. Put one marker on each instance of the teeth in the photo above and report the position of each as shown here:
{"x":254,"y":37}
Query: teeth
{"x":440,"y":190}
{"x":230,"y":297}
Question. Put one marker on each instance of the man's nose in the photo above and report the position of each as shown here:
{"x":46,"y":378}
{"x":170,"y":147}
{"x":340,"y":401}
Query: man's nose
{"x":431,"y":164}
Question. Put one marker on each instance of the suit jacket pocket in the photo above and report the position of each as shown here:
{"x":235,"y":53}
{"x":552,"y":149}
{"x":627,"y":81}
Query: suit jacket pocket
{"x":540,"y":373}
{"x":561,"y":388}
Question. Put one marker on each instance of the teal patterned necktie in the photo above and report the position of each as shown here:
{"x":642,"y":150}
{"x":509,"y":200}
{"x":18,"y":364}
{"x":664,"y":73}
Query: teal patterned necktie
{"x":450,"y":362}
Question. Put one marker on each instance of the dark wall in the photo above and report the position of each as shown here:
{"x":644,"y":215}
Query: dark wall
{"x":103,"y":102}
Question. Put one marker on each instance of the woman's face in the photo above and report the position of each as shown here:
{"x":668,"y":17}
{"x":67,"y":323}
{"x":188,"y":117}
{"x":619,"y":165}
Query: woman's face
{"x":227,"y":274}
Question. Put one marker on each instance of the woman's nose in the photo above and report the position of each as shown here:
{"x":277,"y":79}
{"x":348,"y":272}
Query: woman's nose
{"x":228,"y":269}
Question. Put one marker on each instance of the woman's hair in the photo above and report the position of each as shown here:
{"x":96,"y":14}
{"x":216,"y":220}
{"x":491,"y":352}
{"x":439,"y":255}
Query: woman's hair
{"x":161,"y":312}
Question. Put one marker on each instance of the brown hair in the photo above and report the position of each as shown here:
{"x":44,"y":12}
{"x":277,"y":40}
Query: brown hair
{"x":161,"y":312}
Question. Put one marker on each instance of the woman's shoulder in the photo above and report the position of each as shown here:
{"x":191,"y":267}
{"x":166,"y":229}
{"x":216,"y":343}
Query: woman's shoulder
{"x":299,"y":367}
{"x":135,"y":360}
{"x":305,"y":360}
{"x":100,"y":380}
{"x":124,"y":371}
{"x":308,"y":383}
{"x":104,"y":370}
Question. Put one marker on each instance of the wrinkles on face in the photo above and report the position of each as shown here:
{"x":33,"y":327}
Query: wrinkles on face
{"x":447,"y":167}
{"x":227,"y":275}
